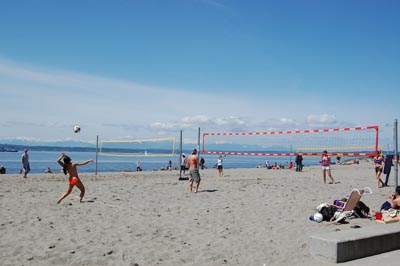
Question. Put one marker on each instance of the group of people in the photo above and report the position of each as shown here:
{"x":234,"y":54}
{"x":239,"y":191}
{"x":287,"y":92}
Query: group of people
{"x":193,"y":163}
{"x":275,"y":166}
{"x":381,"y":165}
{"x":335,"y":213}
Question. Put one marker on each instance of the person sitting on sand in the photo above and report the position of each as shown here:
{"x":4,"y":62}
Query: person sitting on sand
{"x":194,"y":173}
{"x":393,"y":201}
{"x":70,"y":168}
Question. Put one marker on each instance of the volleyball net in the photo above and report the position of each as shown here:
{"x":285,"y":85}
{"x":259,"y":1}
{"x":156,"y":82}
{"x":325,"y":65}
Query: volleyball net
{"x":135,"y":148}
{"x":355,"y":141}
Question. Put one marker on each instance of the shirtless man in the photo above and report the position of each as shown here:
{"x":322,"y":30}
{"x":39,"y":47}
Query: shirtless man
{"x":395,"y":199}
{"x":193,"y":163}
{"x":70,"y":168}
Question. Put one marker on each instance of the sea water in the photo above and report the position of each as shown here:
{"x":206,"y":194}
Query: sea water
{"x":41,"y":160}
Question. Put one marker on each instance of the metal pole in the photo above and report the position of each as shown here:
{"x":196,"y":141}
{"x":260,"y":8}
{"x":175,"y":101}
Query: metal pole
{"x":97,"y":151}
{"x":180,"y":157}
{"x":396,"y":166}
{"x":198,"y":147}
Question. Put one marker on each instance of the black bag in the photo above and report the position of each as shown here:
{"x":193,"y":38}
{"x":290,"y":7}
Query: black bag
{"x":361,"y":210}
{"x":328,"y":212}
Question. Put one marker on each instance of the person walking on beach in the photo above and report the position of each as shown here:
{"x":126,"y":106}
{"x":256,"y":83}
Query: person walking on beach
{"x":193,"y":162}
{"x":70,"y":168}
{"x":219,"y":166}
{"x":25,"y":163}
{"x":326,"y":166}
{"x":378,"y":165}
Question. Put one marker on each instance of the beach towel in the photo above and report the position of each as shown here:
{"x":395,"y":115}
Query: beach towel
{"x":388,"y":216}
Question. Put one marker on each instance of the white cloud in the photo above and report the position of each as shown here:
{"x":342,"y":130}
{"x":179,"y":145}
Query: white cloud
{"x":321,"y":120}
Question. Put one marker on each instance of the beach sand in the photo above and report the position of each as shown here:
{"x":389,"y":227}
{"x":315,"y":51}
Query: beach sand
{"x":247,"y":217}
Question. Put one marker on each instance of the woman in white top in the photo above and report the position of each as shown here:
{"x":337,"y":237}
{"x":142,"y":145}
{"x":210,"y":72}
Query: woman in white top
{"x":219,"y":166}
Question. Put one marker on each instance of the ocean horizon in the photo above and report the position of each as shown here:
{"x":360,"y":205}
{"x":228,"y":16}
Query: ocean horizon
{"x":41,"y":160}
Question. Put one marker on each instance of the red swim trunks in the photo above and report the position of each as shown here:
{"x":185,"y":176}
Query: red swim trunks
{"x":73,"y":181}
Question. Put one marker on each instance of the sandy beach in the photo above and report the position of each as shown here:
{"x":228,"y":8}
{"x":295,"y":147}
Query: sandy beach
{"x":247,"y":217}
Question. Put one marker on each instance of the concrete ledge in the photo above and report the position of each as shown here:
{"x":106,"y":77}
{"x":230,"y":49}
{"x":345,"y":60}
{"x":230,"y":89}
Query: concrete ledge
{"x":357,"y":243}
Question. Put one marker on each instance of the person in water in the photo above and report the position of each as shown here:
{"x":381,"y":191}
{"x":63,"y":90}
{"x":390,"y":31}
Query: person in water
{"x":70,"y":167}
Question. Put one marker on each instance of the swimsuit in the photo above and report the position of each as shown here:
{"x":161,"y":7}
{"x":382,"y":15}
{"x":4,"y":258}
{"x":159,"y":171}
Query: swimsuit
{"x":378,"y":168}
{"x":73,"y":181}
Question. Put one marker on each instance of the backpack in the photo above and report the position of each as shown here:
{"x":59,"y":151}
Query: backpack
{"x":361,"y":210}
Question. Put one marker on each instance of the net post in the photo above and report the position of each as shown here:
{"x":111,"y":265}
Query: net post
{"x":396,"y":166}
{"x":198,"y":147}
{"x":97,"y":152}
{"x":180,"y":155}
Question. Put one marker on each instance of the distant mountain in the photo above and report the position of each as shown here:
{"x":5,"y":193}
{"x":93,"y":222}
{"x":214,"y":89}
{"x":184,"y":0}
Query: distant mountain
{"x":27,"y":142}
{"x":20,"y":148}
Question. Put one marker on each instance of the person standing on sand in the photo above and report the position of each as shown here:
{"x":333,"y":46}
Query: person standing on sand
{"x":378,"y":165}
{"x":138,"y":166}
{"x":183,"y":164}
{"x":193,"y":162}
{"x":219,"y":166}
{"x":25,"y":163}
{"x":70,"y":168}
{"x":202,"y":163}
{"x":299,"y":162}
{"x":326,"y":166}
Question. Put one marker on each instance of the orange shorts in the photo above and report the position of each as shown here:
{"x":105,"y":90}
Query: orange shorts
{"x":73,"y":181}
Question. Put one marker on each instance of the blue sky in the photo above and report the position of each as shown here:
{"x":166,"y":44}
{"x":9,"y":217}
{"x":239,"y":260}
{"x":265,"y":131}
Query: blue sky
{"x":147,"y":69}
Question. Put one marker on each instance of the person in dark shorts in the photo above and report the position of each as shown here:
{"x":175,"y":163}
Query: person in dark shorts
{"x":219,"y":166}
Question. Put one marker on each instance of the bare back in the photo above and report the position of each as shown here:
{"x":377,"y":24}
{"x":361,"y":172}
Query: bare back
{"x":71,"y":168}
{"x":193,"y":161}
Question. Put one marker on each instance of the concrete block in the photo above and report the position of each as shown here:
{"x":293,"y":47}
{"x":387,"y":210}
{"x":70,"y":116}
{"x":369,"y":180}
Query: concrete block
{"x":342,"y":246}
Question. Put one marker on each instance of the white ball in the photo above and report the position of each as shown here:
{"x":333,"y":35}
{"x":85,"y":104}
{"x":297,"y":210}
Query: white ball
{"x":318,"y":217}
{"x":77,"y":129}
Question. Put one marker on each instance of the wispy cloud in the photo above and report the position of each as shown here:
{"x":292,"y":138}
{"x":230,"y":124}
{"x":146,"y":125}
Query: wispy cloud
{"x":48,"y":99}
{"x":321,"y":120}
{"x":218,"y":4}
{"x":45,"y":103}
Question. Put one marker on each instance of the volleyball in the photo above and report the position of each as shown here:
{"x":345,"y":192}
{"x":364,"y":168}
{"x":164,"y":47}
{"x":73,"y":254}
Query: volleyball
{"x":77,"y":129}
{"x":318,"y":217}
